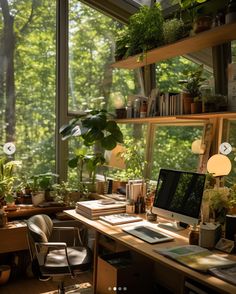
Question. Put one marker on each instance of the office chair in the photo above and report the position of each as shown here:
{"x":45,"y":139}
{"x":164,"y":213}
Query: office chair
{"x":55,"y":259}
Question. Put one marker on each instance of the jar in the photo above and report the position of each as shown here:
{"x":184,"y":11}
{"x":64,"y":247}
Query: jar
{"x":193,"y":236}
{"x":129,"y":109}
{"x":143,"y":109}
{"x":137,"y":107}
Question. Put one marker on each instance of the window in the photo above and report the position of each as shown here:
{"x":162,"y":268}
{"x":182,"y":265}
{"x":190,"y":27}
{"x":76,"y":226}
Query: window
{"x":172,"y":148}
{"x":27,"y":81}
{"x":93,"y":83}
{"x":91,"y":52}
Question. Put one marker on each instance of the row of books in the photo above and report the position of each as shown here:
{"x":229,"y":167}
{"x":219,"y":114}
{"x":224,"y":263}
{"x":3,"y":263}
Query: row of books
{"x":170,"y":104}
{"x":164,"y":104}
{"x":95,"y":208}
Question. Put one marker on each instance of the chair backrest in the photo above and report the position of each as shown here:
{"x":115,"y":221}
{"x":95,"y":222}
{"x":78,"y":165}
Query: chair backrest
{"x":40,"y":227}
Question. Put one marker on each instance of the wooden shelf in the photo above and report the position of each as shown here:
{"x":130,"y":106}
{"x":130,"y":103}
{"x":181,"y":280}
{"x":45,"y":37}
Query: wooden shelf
{"x":210,"y":38}
{"x":180,"y":118}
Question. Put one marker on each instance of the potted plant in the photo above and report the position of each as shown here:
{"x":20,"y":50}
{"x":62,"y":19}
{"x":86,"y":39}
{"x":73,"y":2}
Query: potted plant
{"x":97,"y":131}
{"x":214,"y":103}
{"x":63,"y":193}
{"x":232,"y":200}
{"x":7,"y":179}
{"x":134,"y":164}
{"x":197,"y":19}
{"x":173,"y":30}
{"x":41,"y":185}
{"x":192,"y":85}
{"x":144,"y":32}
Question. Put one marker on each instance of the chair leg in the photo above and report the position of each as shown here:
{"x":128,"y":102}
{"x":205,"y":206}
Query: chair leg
{"x":61,"y":289}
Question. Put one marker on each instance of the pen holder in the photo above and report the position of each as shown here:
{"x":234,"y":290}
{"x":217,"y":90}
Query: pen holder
{"x":209,"y":235}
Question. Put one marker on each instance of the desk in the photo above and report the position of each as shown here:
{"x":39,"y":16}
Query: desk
{"x":169,"y":272}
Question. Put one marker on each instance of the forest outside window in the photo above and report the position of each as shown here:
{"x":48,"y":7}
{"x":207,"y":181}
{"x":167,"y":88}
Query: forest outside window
{"x":91,"y":52}
{"x":27,"y":81}
{"x":171,"y":148}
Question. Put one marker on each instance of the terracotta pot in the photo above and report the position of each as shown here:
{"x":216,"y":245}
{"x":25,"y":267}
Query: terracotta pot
{"x":5,"y":271}
{"x":196,"y":107}
{"x":201,"y":24}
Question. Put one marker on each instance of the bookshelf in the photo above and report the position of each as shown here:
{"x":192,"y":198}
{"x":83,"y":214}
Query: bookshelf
{"x":206,"y":39}
{"x":194,"y":118}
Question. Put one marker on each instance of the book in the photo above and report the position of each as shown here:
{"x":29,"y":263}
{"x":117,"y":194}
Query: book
{"x":120,"y":218}
{"x":94,"y":208}
{"x":196,"y":257}
{"x":227,"y":274}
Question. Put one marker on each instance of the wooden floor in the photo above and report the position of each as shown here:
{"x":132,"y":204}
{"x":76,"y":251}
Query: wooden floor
{"x":34,"y":286}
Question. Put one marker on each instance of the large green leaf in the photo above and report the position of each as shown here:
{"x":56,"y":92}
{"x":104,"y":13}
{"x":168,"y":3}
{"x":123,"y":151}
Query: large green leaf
{"x":73,"y":162}
{"x":118,"y":136}
{"x":111,"y":126}
{"x":93,"y":135}
{"x":95,"y":121}
{"x":108,"y":142}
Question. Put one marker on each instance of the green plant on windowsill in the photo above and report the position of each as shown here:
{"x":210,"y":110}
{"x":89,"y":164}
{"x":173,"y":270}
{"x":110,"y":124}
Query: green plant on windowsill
{"x":64,"y":193}
{"x":193,"y":82}
{"x":86,"y":162}
{"x":42,"y":183}
{"x":7,"y":179}
{"x":96,"y":131}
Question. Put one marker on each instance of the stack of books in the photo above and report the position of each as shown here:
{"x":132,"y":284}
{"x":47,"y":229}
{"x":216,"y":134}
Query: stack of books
{"x":93,"y":209}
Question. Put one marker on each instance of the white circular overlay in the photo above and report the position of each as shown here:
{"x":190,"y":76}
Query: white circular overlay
{"x":9,"y":148}
{"x":225,"y":148}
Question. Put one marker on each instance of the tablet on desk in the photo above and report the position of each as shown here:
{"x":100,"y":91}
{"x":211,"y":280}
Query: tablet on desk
{"x":148,"y":234}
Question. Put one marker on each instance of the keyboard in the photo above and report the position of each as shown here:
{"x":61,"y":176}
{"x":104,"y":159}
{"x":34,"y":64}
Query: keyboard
{"x":148,"y":234}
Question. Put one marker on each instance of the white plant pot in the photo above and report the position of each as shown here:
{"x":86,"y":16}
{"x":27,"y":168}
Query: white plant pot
{"x":37,"y":198}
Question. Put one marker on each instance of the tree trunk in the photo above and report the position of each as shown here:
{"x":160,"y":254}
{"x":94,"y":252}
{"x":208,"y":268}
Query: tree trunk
{"x":2,"y":88}
{"x":9,"y":47}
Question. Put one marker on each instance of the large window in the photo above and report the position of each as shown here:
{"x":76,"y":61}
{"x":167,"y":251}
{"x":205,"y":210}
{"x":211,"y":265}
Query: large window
{"x":91,"y":52}
{"x":93,"y":83}
{"x":27,"y":81}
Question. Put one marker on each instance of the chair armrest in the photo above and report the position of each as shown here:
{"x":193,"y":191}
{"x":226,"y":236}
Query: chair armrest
{"x":41,"y":256}
{"x":52,"y":244}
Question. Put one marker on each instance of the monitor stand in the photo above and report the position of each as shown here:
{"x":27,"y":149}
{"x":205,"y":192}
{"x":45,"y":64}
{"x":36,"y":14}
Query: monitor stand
{"x":172,"y":226}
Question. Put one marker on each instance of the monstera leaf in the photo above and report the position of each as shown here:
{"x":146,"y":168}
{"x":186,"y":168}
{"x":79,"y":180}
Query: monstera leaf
{"x":94,"y":127}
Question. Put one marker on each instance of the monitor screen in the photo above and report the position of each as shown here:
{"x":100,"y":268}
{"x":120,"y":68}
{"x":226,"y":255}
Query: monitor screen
{"x":179,"y":195}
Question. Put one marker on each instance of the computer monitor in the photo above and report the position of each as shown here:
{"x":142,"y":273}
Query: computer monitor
{"x":178,"y":197}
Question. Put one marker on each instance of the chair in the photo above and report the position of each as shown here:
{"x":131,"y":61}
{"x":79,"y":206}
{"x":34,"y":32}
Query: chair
{"x":55,"y":259}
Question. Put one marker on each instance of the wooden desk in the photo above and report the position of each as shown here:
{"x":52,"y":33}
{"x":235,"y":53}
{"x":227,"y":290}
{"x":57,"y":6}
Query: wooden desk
{"x":170,"y":272}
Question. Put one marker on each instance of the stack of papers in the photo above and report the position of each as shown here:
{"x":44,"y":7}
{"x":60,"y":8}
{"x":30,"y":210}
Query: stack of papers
{"x":120,"y":218}
{"x":94,"y":208}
